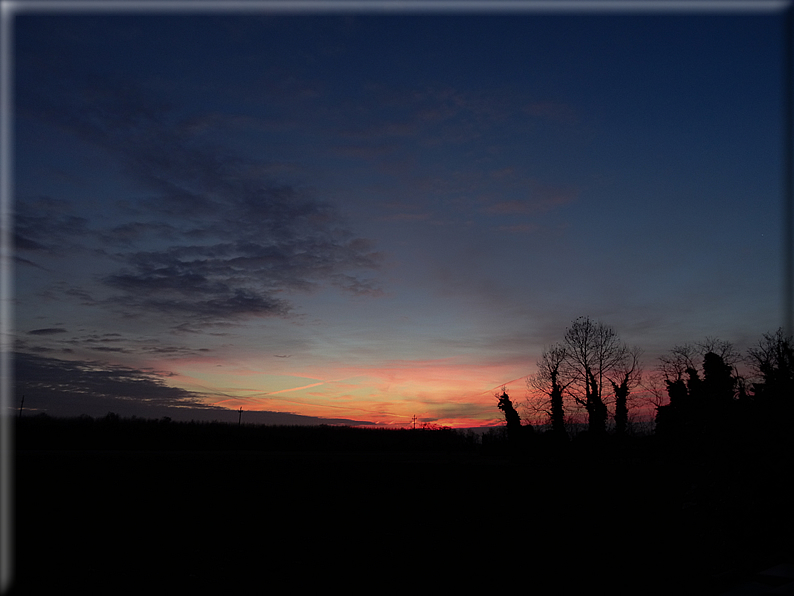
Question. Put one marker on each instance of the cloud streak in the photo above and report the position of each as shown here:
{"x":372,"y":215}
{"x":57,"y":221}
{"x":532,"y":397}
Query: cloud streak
{"x":47,"y":331}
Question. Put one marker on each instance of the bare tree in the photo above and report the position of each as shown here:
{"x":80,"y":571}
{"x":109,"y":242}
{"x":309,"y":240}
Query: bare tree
{"x":724,"y":349}
{"x":694,"y":399}
{"x":656,"y":395}
{"x":678,"y":363}
{"x":593,"y":352}
{"x":675,"y":364}
{"x":772,"y":360}
{"x":628,"y":376}
{"x":549,"y":382}
{"x":653,"y":383}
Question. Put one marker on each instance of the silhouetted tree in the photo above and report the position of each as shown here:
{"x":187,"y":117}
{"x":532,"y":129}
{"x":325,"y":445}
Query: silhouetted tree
{"x":593,"y":351}
{"x":678,"y":369}
{"x":625,"y":378}
{"x":557,"y":410}
{"x":548,"y":381}
{"x":724,"y":349}
{"x":621,"y":406}
{"x":674,"y":365}
{"x":511,"y":415}
{"x":513,"y":420}
{"x":697,"y":402}
{"x":669,"y":416}
{"x":594,"y":404}
{"x":773,"y":361}
{"x":719,"y":383}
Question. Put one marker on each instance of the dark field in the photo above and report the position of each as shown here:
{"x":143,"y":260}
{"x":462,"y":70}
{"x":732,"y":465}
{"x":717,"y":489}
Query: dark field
{"x":149,"y":507}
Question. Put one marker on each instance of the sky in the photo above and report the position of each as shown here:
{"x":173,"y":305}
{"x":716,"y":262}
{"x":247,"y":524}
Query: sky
{"x":360,"y":218}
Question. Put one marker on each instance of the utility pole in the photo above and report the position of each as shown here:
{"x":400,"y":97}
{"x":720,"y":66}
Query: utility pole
{"x":240,"y":417}
{"x":414,"y":419}
{"x":22,"y":403}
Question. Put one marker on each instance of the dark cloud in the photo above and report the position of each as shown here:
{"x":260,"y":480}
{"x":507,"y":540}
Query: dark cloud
{"x":85,"y":298}
{"x":109,"y":349}
{"x":54,"y":381}
{"x":41,"y":349}
{"x":228,"y":239}
{"x":173,"y":350}
{"x":234,"y":304}
{"x":43,"y":224}
{"x":47,"y":331}
{"x":113,"y":343}
{"x":46,"y":232}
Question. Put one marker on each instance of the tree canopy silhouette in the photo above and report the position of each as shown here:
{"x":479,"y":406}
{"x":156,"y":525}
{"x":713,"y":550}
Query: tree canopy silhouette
{"x":629,"y":375}
{"x":773,"y":361}
{"x":572,"y":375}
{"x":513,"y":420}
{"x":593,"y":351}
{"x":697,"y":402}
{"x":511,"y":415}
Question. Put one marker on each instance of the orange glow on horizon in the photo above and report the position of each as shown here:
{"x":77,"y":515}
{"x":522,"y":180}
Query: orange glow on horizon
{"x":440,"y":391}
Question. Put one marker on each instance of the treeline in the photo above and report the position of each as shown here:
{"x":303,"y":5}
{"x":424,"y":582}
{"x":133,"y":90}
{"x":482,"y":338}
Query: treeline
{"x":696,"y":390}
{"x":112,"y":432}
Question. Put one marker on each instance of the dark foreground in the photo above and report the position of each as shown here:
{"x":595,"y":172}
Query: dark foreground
{"x":639,"y":517}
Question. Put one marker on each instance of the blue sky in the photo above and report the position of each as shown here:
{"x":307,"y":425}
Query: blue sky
{"x":370,"y":217}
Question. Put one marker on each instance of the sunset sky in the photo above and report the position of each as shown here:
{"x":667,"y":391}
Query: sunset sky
{"x":366,"y":217}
